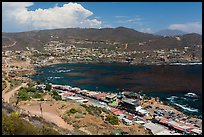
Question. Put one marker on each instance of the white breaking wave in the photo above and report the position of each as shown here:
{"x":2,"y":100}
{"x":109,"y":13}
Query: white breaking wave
{"x":59,"y":71}
{"x":63,"y":71}
{"x":186,"y":108}
{"x":184,"y":98}
{"x":49,"y":78}
{"x":172,"y":98}
{"x":192,"y":63}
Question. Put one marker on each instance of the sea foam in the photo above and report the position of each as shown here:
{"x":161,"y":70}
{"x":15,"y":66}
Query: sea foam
{"x":186,"y":108}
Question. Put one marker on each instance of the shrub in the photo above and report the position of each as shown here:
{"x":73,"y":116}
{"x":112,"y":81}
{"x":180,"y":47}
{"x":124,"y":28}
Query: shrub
{"x":31,"y":84}
{"x":76,"y":125}
{"x":79,"y":116}
{"x":31,"y":89}
{"x":140,"y":126}
{"x":36,"y":95}
{"x":38,"y":81}
{"x":72,"y":111}
{"x":92,"y":110}
{"x":12,"y":125}
{"x":79,"y":111}
{"x":23,"y":95}
{"x":48,"y":87}
{"x":42,"y":99}
{"x":112,"y":119}
{"x":48,"y":131}
{"x":15,"y":114}
{"x":54,"y":93}
{"x":57,"y":97}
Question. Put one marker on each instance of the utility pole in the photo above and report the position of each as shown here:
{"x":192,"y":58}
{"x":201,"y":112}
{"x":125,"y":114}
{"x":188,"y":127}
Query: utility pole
{"x":17,"y":100}
{"x":41,"y":109}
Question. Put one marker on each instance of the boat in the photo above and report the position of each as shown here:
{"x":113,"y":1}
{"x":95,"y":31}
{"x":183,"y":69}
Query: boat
{"x":192,"y":95}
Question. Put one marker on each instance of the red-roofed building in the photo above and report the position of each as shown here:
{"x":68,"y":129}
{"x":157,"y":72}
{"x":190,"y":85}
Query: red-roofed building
{"x":68,"y":94}
{"x":101,"y":95}
{"x":190,"y":129}
{"x":117,"y":111}
{"x":164,"y":121}
{"x":129,"y":117}
{"x":178,"y":128}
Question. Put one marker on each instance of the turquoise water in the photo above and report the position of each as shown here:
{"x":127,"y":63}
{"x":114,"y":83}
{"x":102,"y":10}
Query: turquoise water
{"x":160,"y":81}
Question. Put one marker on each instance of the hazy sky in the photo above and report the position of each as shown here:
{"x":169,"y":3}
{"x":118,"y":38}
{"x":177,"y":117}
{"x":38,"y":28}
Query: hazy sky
{"x":142,"y":16}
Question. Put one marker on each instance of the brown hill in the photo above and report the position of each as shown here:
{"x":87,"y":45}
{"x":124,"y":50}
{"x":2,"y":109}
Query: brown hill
{"x":37,"y":39}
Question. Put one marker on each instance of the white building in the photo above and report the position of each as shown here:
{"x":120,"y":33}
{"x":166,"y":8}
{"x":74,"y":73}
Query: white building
{"x":127,"y":121}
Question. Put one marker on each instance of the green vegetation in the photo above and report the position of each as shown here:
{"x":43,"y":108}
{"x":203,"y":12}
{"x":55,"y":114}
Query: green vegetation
{"x":55,"y":95}
{"x":48,"y":87}
{"x":92,"y":110}
{"x":114,"y":103}
{"x":28,"y":93}
{"x":117,"y":132}
{"x":42,"y":99}
{"x":3,"y":85}
{"x":14,"y":125}
{"x":71,"y":111}
{"x":140,"y":126}
{"x":23,"y":95}
{"x":14,"y":82}
{"x":31,"y":84}
{"x":112,"y":119}
{"x":48,"y":131}
{"x":79,"y":116}
{"x":38,"y":81}
{"x":54,"y":92}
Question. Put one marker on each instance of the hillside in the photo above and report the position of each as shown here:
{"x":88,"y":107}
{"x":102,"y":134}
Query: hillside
{"x":168,"y":32}
{"x":96,"y":38}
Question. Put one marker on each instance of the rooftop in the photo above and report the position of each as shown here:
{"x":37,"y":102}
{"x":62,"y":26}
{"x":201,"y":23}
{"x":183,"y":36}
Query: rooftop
{"x":156,"y":129}
{"x":111,"y":96}
{"x":130,"y":101}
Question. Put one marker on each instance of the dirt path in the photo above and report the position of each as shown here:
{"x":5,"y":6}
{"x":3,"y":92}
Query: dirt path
{"x":10,"y":45}
{"x":8,"y":86}
{"x":49,"y":114}
{"x":6,"y":95}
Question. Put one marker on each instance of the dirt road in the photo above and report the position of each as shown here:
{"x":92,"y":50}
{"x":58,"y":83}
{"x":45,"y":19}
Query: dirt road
{"x":6,"y":95}
{"x":10,"y":45}
{"x":8,"y":86}
{"x":49,"y":113}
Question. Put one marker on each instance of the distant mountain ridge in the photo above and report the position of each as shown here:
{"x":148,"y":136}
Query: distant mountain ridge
{"x":38,"y":38}
{"x":169,"y":32}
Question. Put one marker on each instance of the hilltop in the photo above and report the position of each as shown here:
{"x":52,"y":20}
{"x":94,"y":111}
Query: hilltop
{"x":168,"y":32}
{"x":92,"y":37}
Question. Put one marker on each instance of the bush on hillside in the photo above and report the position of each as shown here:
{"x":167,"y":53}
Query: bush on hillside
{"x":48,"y":87}
{"x":14,"y":125}
{"x":112,"y":119}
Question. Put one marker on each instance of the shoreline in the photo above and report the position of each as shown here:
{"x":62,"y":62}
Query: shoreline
{"x":58,"y":63}
{"x":126,"y":63}
{"x":158,"y":103}
{"x":162,"y":102}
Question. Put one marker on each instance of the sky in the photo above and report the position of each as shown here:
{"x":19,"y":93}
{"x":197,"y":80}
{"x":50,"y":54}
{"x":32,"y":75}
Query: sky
{"x":148,"y":17}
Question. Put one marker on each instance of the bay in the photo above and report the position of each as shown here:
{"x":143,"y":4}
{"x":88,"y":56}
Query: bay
{"x":163,"y":81}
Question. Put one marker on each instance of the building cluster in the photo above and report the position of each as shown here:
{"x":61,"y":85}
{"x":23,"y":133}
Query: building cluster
{"x":129,"y":110}
{"x":77,"y":51}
